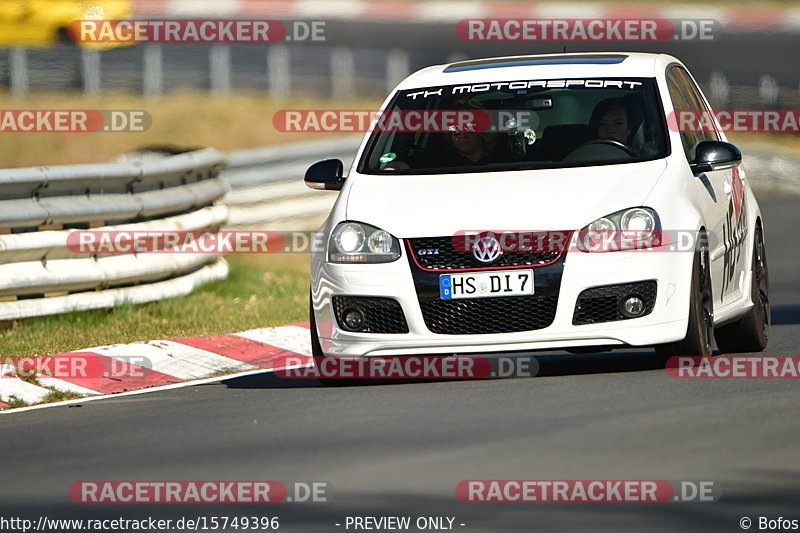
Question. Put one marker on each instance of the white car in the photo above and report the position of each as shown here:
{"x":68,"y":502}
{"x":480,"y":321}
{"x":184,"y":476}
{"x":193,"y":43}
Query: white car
{"x":424,"y":250}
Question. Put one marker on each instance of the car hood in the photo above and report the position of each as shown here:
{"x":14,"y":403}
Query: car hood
{"x":548,"y":199}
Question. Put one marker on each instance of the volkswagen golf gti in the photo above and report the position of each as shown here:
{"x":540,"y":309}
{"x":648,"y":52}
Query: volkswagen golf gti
{"x":578,"y":209}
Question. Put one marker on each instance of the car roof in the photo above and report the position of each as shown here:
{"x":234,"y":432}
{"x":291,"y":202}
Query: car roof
{"x":542,"y":66}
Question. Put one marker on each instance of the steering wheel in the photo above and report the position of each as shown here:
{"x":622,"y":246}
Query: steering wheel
{"x":611,"y":142}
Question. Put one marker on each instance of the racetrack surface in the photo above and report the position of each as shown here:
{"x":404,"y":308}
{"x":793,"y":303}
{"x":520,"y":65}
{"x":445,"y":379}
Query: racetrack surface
{"x":400,"y":449}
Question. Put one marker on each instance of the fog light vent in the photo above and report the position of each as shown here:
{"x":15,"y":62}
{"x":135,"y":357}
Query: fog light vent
{"x":615,"y":302}
{"x":353,"y":319}
{"x":369,"y":314}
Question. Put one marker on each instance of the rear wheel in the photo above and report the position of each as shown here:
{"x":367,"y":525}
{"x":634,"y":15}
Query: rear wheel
{"x":700,"y":331}
{"x":751,"y":332}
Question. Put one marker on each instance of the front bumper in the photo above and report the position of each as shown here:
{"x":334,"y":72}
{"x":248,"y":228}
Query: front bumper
{"x":578,"y":271}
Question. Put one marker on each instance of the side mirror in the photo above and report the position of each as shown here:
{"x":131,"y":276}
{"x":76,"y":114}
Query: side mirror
{"x":715,"y":155}
{"x":326,"y":175}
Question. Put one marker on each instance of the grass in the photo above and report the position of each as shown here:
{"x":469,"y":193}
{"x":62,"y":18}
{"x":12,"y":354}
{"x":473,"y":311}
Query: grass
{"x":785,"y":140}
{"x":12,"y":402}
{"x":189,"y":119}
{"x":60,"y":396}
{"x":261,"y":291}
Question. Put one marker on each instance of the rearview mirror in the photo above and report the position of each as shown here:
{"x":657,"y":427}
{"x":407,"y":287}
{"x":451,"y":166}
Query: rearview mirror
{"x":715,"y":155}
{"x":325,"y":175}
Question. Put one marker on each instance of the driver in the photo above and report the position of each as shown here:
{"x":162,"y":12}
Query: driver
{"x":611,"y":120}
{"x":465,"y":147}
{"x":469,"y":147}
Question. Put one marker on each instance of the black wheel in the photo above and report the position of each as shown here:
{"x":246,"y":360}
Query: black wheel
{"x":316,"y":348}
{"x":700,"y":330}
{"x":751,"y":332}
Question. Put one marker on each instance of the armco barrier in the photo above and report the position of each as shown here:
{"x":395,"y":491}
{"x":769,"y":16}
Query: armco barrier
{"x":40,"y":207}
{"x":267,"y":183}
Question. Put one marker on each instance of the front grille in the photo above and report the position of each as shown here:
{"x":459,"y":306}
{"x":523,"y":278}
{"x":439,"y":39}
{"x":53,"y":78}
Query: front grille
{"x":489,"y":315}
{"x":604,"y":304}
{"x":381,"y":315}
{"x":442,"y":253}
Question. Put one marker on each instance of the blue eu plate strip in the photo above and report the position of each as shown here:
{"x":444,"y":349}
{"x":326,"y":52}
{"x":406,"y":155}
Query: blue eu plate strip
{"x":445,"y":287}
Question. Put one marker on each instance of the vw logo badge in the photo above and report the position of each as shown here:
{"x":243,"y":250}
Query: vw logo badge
{"x":487,"y":249}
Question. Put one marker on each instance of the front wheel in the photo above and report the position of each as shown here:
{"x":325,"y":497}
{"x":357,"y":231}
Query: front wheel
{"x":700,"y":330}
{"x":316,"y":348}
{"x":751,"y":332}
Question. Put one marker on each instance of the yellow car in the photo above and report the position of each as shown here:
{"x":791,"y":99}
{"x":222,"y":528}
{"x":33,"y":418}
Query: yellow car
{"x":41,"y":23}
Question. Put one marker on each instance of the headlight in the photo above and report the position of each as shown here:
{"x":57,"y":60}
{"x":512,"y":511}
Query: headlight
{"x":629,"y":229}
{"x":354,"y":242}
{"x":637,"y":219}
{"x":348,"y":238}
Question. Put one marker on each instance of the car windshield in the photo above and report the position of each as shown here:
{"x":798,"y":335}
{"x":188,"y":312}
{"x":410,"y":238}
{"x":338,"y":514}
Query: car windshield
{"x":516,"y":125}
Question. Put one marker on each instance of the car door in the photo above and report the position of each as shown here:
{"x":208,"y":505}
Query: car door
{"x":717,"y":191}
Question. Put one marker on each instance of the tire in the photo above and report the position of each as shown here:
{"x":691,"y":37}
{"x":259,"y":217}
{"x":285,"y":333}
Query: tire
{"x":316,"y":348}
{"x":751,"y":332}
{"x":700,"y":330}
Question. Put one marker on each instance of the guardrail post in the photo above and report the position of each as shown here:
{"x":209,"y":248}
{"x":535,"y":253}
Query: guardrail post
{"x":397,"y":68}
{"x":90,"y":70}
{"x":18,"y":70}
{"x":219,"y":61}
{"x":278,"y":70}
{"x":719,"y":90}
{"x":768,"y":92}
{"x":153,"y":70}
{"x":342,"y":73}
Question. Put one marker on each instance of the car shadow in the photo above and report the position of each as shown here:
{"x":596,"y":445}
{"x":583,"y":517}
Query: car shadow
{"x":507,"y":366}
{"x":785,"y":314}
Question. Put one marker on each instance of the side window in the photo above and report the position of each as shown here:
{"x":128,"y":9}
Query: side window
{"x":685,"y":97}
{"x":696,"y":100}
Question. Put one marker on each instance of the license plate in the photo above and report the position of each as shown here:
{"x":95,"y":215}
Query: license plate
{"x":486,"y":284}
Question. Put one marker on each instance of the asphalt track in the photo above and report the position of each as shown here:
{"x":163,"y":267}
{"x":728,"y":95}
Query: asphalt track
{"x":400,"y":449}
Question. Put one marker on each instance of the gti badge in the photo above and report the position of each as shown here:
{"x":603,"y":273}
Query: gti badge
{"x":428,"y":251}
{"x":486,"y":249}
